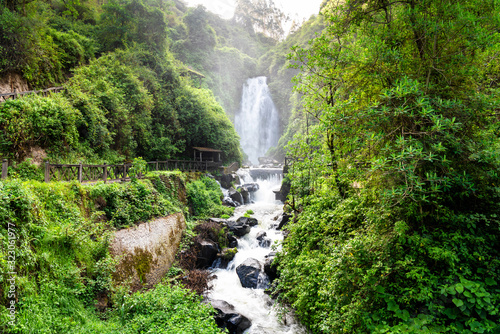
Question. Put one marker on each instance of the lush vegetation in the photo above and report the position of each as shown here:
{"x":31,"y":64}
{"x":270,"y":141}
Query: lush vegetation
{"x":396,"y":183}
{"x":394,"y":187}
{"x":64,"y":280}
{"x":126,"y":94}
{"x":205,"y":199}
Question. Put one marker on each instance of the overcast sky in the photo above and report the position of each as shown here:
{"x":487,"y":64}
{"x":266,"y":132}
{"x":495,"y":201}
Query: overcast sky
{"x":295,"y":8}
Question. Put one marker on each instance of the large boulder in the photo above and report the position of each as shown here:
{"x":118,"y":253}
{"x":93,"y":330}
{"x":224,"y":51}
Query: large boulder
{"x":225,"y":180}
{"x":227,"y":317}
{"x":207,"y":253}
{"x":270,"y":268}
{"x":249,"y":273}
{"x":245,"y":191}
{"x":248,"y":221}
{"x":236,"y":196}
{"x":239,"y":229}
{"x":283,"y":220}
{"x":245,"y":194}
{"x":232,"y":242}
{"x":251,"y":187}
{"x":228,"y":201}
{"x":264,"y":241}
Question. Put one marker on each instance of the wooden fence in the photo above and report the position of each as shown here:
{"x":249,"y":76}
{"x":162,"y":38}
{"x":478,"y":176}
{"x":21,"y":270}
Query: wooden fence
{"x":15,"y":94}
{"x":113,"y":173}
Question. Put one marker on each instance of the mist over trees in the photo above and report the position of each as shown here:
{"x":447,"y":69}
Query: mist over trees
{"x":262,"y":16}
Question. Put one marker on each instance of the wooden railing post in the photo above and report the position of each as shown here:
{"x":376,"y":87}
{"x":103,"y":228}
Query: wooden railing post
{"x":124,"y":172}
{"x":156,"y":165}
{"x":80,"y":172}
{"x":105,"y":173}
{"x":47,"y":171}
{"x":5,"y":168}
{"x":15,"y":95}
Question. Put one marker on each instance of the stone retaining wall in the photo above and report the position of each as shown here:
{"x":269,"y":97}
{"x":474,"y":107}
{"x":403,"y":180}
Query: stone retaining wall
{"x":145,"y":252}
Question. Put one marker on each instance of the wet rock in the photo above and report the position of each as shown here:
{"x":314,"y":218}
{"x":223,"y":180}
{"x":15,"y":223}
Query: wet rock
{"x":225,"y":180}
{"x":228,"y":201}
{"x":232,"y":241}
{"x":251,"y":187}
{"x":249,"y":272}
{"x":245,"y":194}
{"x":236,"y":196}
{"x":225,"y":256}
{"x":227,"y":317}
{"x":283,"y":220}
{"x":270,"y":268}
{"x":248,"y":221}
{"x":207,"y":253}
{"x":238,"y":228}
{"x":218,"y":220}
{"x":263,"y":240}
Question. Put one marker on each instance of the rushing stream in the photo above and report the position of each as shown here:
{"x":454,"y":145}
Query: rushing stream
{"x":254,"y":303}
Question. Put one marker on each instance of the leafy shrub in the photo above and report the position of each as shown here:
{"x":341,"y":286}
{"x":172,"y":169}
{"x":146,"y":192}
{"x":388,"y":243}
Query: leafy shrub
{"x":129,"y":203}
{"x":169,"y":309}
{"x":204,"y":198}
{"x":33,"y":120}
{"x":26,"y":171}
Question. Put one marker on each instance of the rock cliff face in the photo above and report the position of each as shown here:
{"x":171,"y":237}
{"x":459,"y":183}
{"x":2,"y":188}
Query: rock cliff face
{"x":145,"y":252}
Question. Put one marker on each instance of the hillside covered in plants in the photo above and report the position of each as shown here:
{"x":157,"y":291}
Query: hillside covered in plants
{"x":395,"y":174}
{"x":131,"y":73}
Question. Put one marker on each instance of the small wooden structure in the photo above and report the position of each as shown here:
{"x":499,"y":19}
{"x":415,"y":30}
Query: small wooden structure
{"x":187,"y":71}
{"x":207,"y":154}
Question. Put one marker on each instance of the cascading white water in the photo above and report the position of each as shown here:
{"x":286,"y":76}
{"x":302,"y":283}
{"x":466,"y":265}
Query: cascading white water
{"x":254,"y":303}
{"x":257,"y":121}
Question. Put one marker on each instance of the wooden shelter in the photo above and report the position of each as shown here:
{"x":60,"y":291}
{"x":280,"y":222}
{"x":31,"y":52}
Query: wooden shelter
{"x":207,"y":154}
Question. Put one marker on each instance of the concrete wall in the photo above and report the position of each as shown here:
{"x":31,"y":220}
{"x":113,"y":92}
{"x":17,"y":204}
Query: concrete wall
{"x":145,"y":252}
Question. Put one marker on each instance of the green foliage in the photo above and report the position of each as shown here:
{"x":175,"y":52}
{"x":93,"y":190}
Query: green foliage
{"x":29,"y":46}
{"x":129,"y":203}
{"x":132,"y":99}
{"x":26,"y":170}
{"x":139,"y":168}
{"x":35,"y":121}
{"x":115,"y":105}
{"x":395,"y":182}
{"x":60,"y":267}
{"x":205,"y":123}
{"x":262,"y":16}
{"x":125,"y":22}
{"x":169,"y":309}
{"x":204,"y":198}
{"x":61,"y":238}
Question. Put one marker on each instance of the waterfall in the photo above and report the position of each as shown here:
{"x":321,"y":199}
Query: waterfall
{"x":257,"y":121}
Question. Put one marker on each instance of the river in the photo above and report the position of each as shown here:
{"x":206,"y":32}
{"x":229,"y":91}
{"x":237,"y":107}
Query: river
{"x":255,"y":304}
